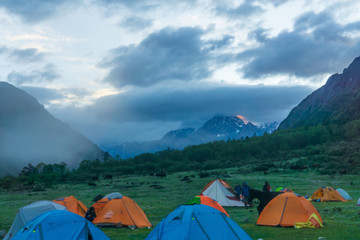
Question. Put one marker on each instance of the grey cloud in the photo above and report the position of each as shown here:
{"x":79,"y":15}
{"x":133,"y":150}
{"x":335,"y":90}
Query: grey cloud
{"x":246,"y":9}
{"x":276,"y":3}
{"x":3,"y":49}
{"x":47,"y":74}
{"x":79,"y":92}
{"x":162,"y":104}
{"x":259,"y":35}
{"x":218,"y":44}
{"x":300,"y":53}
{"x":133,"y":4}
{"x":147,"y":114}
{"x":141,"y":5}
{"x":27,"y":55}
{"x":136,"y":23}
{"x":43,"y":95}
{"x":169,"y":54}
{"x":324,"y":25}
{"x":311,"y":19}
{"x":33,"y":11}
{"x":46,"y":95}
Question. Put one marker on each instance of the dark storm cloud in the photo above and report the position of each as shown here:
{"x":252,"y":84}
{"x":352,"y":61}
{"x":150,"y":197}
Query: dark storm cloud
{"x":34,"y":10}
{"x":47,"y":74}
{"x":26,"y":55}
{"x":200,"y":104}
{"x":317,"y":45}
{"x":136,"y":23}
{"x":169,"y":54}
{"x":245,"y":9}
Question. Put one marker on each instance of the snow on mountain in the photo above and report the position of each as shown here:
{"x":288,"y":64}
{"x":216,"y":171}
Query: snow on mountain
{"x":218,"y":128}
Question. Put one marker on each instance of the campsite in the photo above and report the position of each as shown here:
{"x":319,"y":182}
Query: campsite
{"x":179,"y":120}
{"x":158,"y":197}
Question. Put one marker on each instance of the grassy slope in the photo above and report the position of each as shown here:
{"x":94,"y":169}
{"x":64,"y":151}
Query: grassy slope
{"x":342,"y":219}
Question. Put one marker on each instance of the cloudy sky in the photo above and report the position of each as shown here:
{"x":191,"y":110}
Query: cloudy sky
{"x":120,"y":70}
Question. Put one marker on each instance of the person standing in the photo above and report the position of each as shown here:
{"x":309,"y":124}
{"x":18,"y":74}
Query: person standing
{"x":246,"y":193}
{"x":266,"y":187}
{"x":237,"y":190}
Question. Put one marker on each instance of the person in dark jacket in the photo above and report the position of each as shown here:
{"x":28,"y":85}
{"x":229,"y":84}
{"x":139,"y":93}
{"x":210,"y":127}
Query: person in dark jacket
{"x":266,"y":187}
{"x":238,"y":190}
{"x":90,"y":214}
{"x":246,"y":193}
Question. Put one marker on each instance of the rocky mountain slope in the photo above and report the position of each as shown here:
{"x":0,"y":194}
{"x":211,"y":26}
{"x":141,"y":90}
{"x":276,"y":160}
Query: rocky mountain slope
{"x":338,"y":101}
{"x":30,"y":134}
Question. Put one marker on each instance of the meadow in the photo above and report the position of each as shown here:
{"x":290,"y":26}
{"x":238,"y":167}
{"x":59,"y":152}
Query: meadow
{"x":160,"y":196}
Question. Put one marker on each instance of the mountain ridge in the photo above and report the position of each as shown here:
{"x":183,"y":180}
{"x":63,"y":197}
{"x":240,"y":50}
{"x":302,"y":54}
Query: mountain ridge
{"x":218,"y":128}
{"x":30,"y":134}
{"x":338,"y":101}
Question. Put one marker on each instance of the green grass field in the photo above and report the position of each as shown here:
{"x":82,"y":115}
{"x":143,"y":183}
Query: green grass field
{"x":158,"y":197}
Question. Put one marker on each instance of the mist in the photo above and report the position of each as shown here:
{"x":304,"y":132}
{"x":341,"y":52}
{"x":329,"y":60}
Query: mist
{"x":29,"y":134}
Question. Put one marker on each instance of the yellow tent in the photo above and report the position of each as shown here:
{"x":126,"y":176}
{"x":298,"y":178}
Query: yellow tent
{"x":327,"y":194}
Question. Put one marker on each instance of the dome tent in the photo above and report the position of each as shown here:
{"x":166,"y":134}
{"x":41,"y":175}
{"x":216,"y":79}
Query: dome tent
{"x":344,"y":194}
{"x":225,"y":197}
{"x":29,"y":212}
{"x":327,"y":194}
{"x":201,"y":199}
{"x":194,"y":222}
{"x":118,"y":211}
{"x":72,"y":205}
{"x":60,"y":225}
{"x":287,"y":209}
{"x":223,"y":182}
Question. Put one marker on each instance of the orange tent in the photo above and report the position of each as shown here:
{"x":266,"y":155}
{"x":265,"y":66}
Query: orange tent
{"x":287,"y":209}
{"x":118,"y":210}
{"x":327,"y":194}
{"x":223,"y":182}
{"x":201,"y":199}
{"x":72,"y":205}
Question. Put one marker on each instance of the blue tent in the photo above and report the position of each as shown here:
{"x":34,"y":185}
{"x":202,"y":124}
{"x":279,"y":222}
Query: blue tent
{"x":197,"y":222}
{"x":60,"y":225}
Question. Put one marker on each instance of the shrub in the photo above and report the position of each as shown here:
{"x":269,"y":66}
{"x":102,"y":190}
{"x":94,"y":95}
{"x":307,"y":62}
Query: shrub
{"x":203,"y":174}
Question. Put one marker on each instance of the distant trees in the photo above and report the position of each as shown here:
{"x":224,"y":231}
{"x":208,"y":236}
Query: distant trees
{"x":28,"y":170}
{"x":327,"y":149}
